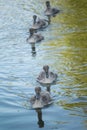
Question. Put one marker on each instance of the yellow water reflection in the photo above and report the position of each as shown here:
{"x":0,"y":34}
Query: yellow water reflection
{"x":68,"y":48}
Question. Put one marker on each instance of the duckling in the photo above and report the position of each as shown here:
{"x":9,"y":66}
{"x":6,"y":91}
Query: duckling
{"x":34,"y":37}
{"x":50,"y":11}
{"x":40,"y":23}
{"x":40,"y":99}
{"x":46,"y":77}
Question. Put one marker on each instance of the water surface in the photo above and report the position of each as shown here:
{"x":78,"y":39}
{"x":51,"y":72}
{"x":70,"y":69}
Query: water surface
{"x":64,"y":50}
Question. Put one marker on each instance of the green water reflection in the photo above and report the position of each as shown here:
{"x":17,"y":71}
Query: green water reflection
{"x":69,"y":49}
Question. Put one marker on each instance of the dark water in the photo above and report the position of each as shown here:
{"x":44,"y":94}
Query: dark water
{"x":64,"y":50}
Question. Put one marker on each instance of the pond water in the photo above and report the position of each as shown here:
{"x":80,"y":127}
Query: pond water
{"x":64,"y":49}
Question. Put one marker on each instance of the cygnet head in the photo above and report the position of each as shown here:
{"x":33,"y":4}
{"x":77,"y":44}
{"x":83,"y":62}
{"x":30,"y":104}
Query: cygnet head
{"x":34,"y":18}
{"x":46,"y":68}
{"x":48,"y":4}
{"x":38,"y":91}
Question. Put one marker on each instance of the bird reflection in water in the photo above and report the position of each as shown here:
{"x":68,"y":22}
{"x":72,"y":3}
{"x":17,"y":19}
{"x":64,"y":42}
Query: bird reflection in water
{"x":33,"y":49}
{"x":40,"y":120}
{"x":48,"y":87}
{"x":49,"y":19}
